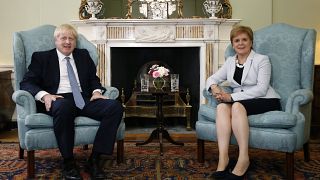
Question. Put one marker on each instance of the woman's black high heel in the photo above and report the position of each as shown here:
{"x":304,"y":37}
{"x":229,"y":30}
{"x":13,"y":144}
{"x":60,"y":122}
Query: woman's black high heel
{"x":231,"y":176}
{"x":221,"y":174}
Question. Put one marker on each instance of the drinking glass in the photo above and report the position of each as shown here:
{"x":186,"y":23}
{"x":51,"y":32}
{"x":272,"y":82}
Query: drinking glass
{"x":144,"y":78}
{"x":174,"y":79}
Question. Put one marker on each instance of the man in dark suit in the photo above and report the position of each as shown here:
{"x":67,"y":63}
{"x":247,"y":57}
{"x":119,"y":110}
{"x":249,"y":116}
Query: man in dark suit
{"x":48,"y":80}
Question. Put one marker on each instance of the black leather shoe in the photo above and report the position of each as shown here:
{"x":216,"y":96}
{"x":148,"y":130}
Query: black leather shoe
{"x":95,"y":169}
{"x":70,"y":171}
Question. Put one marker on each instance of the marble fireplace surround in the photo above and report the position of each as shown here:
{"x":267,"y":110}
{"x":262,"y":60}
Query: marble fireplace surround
{"x":210,"y":35}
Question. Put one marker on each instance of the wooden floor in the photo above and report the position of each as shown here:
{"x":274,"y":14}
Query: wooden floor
{"x":190,"y":136}
{"x":177,"y":137}
{"x":9,"y":136}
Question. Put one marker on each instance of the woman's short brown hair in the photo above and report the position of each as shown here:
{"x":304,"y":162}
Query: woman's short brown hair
{"x":241,"y":29}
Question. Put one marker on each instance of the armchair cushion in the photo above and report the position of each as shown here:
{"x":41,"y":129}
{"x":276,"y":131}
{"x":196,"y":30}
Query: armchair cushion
{"x":41,"y":120}
{"x":272,"y":119}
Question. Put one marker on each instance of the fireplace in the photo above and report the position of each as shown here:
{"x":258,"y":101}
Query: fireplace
{"x":125,"y":45}
{"x":185,"y":61}
{"x":126,"y":62}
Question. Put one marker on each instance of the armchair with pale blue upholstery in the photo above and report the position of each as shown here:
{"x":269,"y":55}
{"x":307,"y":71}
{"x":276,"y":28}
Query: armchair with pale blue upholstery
{"x":291,"y":51}
{"x":35,"y":130}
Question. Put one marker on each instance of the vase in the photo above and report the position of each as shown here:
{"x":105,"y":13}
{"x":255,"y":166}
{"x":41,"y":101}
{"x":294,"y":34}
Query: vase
{"x":158,"y":83}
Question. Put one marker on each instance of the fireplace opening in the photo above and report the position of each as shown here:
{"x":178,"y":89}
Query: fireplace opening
{"x":185,"y":61}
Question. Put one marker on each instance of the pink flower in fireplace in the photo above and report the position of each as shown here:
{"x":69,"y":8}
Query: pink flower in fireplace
{"x":158,"y":71}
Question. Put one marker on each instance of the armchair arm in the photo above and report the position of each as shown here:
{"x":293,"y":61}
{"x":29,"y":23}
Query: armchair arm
{"x":297,"y":99}
{"x":111,"y":92}
{"x":211,"y":100}
{"x":25,"y":103}
{"x":294,"y":104}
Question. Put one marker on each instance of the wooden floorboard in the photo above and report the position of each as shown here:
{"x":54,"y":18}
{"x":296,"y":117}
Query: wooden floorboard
{"x":183,"y":137}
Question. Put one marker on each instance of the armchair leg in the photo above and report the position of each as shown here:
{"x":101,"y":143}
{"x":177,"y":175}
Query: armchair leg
{"x":200,"y":144}
{"x":21,"y":152}
{"x":290,"y":165}
{"x":120,"y":151}
{"x":306,"y":152}
{"x":30,"y":164}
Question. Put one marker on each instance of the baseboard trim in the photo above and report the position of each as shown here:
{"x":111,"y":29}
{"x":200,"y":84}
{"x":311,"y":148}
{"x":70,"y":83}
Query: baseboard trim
{"x":6,"y":67}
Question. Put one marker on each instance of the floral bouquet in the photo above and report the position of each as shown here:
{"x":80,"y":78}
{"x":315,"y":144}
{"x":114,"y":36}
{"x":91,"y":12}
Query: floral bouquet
{"x":158,"y":73}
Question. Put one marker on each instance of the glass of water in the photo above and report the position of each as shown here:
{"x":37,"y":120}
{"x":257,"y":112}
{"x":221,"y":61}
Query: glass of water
{"x":144,"y":79}
{"x":174,"y":79}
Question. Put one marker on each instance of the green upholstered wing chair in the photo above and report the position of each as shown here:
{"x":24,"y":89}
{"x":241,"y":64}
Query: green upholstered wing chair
{"x":291,"y":52}
{"x":35,"y":130}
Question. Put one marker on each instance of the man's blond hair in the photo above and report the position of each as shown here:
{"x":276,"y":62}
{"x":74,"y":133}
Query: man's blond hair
{"x":65,"y":28}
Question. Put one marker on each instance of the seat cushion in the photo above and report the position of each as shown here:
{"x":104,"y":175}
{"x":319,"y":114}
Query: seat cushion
{"x":40,"y":120}
{"x":272,"y":119}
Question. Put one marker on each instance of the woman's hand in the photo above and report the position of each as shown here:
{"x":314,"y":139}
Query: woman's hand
{"x":216,"y":90}
{"x":223,"y":97}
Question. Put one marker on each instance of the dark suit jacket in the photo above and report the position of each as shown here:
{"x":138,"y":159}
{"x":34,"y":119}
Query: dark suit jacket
{"x":44,"y":73}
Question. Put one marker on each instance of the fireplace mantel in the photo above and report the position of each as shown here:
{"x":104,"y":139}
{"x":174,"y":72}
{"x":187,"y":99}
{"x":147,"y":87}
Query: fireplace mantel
{"x":210,"y":35}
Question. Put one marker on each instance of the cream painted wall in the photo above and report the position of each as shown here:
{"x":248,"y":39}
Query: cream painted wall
{"x":251,"y":13}
{"x":28,"y":14}
{"x":308,"y":16}
{"x":254,"y":13}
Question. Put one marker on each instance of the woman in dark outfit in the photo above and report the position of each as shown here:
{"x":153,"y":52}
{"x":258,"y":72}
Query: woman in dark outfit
{"x":248,"y":74}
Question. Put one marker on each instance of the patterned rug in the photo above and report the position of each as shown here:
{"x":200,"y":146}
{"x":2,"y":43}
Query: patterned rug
{"x":144,"y":162}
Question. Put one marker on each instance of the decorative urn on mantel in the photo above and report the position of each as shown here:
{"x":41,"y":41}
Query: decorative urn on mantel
{"x":212,"y":7}
{"x":93,"y":7}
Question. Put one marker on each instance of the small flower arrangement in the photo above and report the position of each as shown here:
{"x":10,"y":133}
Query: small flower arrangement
{"x":157,"y":71}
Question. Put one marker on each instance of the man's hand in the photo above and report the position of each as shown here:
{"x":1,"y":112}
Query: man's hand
{"x":97,"y":95}
{"x":48,"y":98}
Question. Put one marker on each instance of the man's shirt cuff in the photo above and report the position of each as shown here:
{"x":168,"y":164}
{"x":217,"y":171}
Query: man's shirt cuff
{"x":40,"y":95}
{"x":97,"y":90}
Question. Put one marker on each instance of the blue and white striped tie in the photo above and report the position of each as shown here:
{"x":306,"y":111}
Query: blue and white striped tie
{"x":78,"y":99}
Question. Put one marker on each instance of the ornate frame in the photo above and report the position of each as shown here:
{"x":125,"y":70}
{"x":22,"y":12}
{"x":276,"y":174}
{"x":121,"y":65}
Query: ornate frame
{"x":227,"y":10}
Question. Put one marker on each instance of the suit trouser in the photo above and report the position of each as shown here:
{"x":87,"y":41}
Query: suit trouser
{"x":107,"y":111}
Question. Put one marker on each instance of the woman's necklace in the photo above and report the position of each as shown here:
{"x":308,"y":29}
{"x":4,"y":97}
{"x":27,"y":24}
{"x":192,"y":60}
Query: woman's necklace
{"x":239,"y":65}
